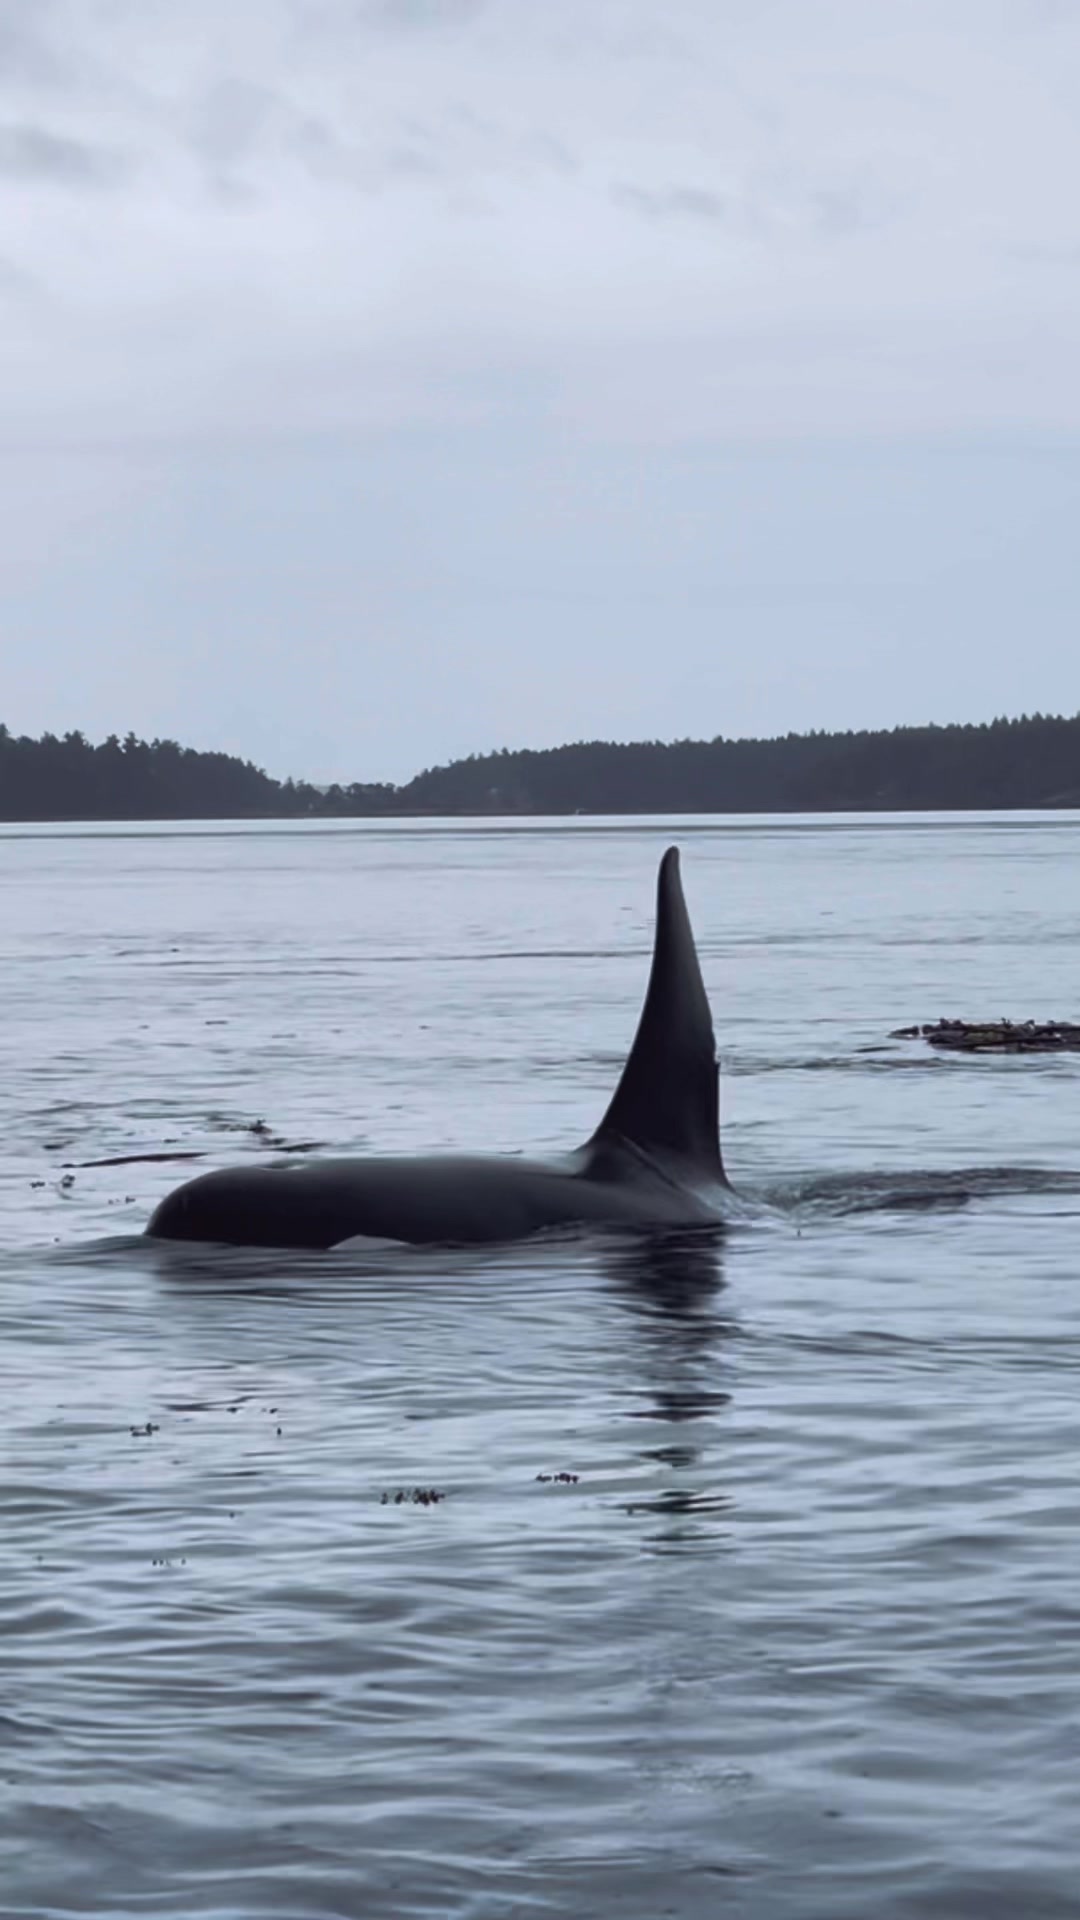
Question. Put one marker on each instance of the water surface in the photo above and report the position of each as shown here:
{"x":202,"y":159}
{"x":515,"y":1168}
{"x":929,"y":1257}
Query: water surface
{"x":798,"y":1634}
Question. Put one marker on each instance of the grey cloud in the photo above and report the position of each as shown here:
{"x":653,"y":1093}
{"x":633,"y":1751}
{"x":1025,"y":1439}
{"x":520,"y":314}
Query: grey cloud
{"x":329,"y":18}
{"x":420,"y":13}
{"x":453,"y":146}
{"x":314,"y":142}
{"x":317,"y":146}
{"x":15,"y":284}
{"x":844,"y":210}
{"x":33,"y":153}
{"x":667,"y":203}
{"x":230,"y":119}
{"x":1050,"y":13}
{"x":238,"y":123}
{"x":25,"y":53}
{"x":833,"y":211}
{"x":1064,"y":254}
{"x":548,"y":152}
{"x":487,"y":138}
{"x":412,"y":163}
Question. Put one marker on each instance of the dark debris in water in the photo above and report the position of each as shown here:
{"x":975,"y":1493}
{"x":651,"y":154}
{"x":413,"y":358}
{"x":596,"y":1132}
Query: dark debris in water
{"x":413,"y":1497}
{"x":258,"y":1129}
{"x":875,"y":1192}
{"x":996,"y":1036}
{"x":130,"y":1159}
{"x":261,"y":1131}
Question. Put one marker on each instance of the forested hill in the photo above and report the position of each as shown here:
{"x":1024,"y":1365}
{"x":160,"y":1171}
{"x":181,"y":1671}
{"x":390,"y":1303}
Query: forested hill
{"x":69,"y":779}
{"x":1031,"y":762}
{"x":1006,"y":763}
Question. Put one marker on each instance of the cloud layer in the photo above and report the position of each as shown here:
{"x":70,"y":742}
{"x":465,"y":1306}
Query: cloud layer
{"x":416,"y":328}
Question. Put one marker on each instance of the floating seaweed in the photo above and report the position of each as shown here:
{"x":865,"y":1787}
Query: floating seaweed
{"x":996,"y":1036}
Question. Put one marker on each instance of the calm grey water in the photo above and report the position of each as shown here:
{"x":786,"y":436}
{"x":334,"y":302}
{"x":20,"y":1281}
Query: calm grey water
{"x":803,"y":1636}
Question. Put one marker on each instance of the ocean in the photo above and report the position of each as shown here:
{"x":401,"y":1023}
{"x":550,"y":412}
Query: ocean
{"x":730,"y":1575}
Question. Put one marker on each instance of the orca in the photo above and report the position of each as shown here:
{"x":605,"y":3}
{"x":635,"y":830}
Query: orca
{"x":654,"y":1161}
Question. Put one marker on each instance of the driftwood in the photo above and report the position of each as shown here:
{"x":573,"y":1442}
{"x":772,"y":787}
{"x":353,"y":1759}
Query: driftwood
{"x":996,"y":1036}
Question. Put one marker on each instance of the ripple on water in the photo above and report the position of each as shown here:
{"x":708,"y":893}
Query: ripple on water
{"x":796,"y":1634}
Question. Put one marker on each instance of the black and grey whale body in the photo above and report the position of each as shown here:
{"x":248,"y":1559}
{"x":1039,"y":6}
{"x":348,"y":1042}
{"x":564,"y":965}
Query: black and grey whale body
{"x":654,"y":1161}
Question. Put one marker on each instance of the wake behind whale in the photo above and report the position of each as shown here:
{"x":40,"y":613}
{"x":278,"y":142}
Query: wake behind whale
{"x":654,"y":1160}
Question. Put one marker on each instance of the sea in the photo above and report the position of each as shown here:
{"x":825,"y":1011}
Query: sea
{"x":730,"y":1574}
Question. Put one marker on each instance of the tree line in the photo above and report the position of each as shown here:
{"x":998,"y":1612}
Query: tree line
{"x":68,"y":778}
{"x":1033,"y":761}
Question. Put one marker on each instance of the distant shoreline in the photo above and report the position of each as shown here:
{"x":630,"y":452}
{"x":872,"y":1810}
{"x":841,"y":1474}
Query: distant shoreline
{"x":627,"y":814}
{"x":1031,"y":764}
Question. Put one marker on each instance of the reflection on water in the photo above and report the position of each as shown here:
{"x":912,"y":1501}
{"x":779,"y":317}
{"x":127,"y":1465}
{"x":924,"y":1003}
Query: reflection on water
{"x":752,"y":1589}
{"x":671,"y":1282}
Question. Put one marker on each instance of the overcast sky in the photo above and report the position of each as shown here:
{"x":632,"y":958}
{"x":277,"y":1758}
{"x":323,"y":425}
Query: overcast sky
{"x":384,"y":380}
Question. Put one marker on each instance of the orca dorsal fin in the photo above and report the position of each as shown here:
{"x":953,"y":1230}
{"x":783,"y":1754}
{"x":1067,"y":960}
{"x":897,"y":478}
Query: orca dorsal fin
{"x":667,"y":1101}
